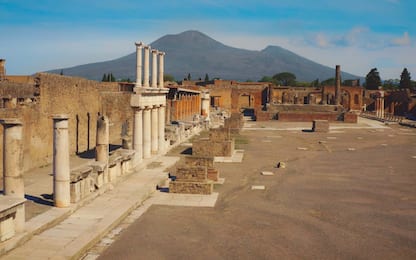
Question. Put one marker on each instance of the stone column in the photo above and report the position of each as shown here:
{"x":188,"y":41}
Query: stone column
{"x":146,"y":133}
{"x":146,"y":66}
{"x":323,"y":96}
{"x":161,"y":69}
{"x":139,"y":46}
{"x":337,"y":85}
{"x":61,"y":169}
{"x":205,"y":98}
{"x":13,"y":184}
{"x":161,"y":129}
{"x":155,"y":131}
{"x":382,"y":104}
{"x":154,"y":68}
{"x":102,"y":140}
{"x":138,"y":134}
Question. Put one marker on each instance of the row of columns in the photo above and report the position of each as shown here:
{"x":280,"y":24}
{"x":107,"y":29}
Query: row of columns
{"x":187,"y":105}
{"x":13,"y":184}
{"x":149,"y":131}
{"x":157,"y":72}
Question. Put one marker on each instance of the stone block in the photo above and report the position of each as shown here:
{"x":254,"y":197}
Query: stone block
{"x":320,"y":126}
{"x":205,"y":188}
{"x":192,"y":174}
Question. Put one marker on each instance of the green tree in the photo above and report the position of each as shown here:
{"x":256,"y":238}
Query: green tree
{"x":62,"y":72}
{"x":372,"y":80}
{"x":189,"y":76}
{"x":315,"y":83}
{"x":111,"y":78}
{"x":405,"y":81}
{"x":206,"y":77}
{"x":168,"y":77}
{"x":105,"y":78}
{"x":328,"y":82}
{"x":390,"y":84}
{"x":285,"y":78}
{"x":266,"y":79}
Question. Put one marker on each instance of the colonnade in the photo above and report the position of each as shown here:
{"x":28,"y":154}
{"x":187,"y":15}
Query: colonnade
{"x":187,"y":105}
{"x":149,"y":104}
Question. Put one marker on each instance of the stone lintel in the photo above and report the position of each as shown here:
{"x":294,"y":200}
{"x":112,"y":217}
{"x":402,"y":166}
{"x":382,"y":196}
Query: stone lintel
{"x":60,"y":116}
{"x":11,"y":121}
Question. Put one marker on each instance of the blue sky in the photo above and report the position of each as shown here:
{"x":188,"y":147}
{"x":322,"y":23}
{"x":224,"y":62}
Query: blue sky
{"x":359,"y":35}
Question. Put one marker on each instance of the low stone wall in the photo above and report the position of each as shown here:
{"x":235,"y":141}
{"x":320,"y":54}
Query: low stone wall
{"x":90,"y":177}
{"x":308,"y":116}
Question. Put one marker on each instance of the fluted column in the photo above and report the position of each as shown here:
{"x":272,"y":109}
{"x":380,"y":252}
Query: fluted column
{"x":161,"y":69}
{"x":138,"y":134}
{"x":155,"y":131}
{"x":154,"y":68}
{"x":161,"y":129}
{"x":13,"y":184}
{"x":146,"y":66}
{"x":139,"y":47}
{"x":147,"y":133}
{"x":61,"y":169}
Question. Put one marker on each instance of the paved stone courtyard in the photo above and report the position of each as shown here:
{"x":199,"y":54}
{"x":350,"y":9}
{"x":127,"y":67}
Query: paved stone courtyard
{"x":349,"y":193}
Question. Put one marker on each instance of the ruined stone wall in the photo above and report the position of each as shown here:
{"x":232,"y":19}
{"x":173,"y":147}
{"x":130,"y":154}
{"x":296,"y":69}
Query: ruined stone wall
{"x":83,"y":100}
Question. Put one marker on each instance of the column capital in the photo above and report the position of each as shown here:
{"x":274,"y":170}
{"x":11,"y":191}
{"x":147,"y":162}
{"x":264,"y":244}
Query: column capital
{"x":147,"y":47}
{"x":155,"y":51}
{"x":161,"y":53}
{"x":139,"y":45}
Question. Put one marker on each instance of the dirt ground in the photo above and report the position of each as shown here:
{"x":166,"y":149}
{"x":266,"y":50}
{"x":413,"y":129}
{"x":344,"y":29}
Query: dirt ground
{"x":348,"y":194}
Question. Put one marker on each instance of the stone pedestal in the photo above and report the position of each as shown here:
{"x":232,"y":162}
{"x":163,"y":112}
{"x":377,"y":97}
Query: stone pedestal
{"x":13,"y":158}
{"x":61,"y":169}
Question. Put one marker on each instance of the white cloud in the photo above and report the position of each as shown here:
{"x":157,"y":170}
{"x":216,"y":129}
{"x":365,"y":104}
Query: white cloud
{"x":402,"y":41}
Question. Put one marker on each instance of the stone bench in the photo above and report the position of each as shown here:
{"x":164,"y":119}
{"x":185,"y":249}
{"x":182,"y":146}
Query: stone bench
{"x":82,"y":182}
{"x":12,"y":216}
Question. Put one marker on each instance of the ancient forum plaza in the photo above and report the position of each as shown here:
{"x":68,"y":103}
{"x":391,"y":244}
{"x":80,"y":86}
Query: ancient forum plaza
{"x":155,"y":169}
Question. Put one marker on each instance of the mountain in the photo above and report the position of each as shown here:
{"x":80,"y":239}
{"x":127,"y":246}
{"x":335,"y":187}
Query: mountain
{"x":195,"y":53}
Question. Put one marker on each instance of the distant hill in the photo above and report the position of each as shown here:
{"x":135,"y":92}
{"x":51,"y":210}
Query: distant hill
{"x":195,"y":53}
